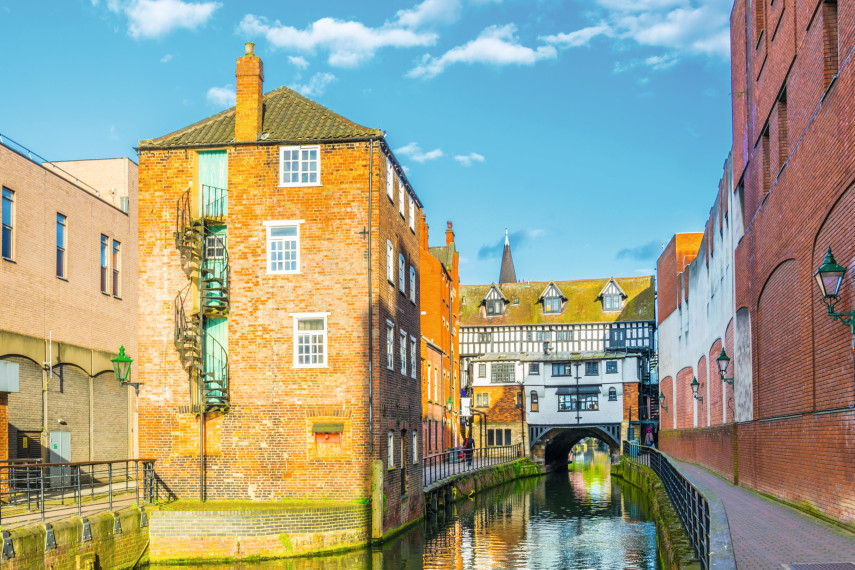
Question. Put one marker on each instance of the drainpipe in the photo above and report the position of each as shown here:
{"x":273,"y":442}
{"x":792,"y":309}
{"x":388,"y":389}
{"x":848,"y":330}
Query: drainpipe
{"x":370,"y":308}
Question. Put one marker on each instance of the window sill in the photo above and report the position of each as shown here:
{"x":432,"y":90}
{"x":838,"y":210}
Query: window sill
{"x":116,"y":297}
{"x":10,"y":260}
{"x":312,"y":185}
{"x":105,"y":293}
{"x":62,"y":278}
{"x":311,"y":366}
{"x":283,"y":272}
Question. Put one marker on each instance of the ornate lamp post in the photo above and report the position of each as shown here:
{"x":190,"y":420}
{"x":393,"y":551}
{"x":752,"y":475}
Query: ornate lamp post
{"x":829,"y":277}
{"x":694,"y":385}
{"x":662,"y":401}
{"x":723,"y":361}
{"x":122,"y":370}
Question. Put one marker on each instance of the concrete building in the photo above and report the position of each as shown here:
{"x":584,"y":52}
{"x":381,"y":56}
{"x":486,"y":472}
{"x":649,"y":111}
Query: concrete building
{"x":790,"y":199}
{"x":281,"y":305}
{"x":440,"y":347}
{"x":68,"y":276}
{"x":554,"y":362}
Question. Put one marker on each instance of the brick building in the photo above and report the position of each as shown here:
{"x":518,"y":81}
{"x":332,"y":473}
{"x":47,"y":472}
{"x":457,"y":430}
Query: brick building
{"x":553,"y":361}
{"x":279,"y":300}
{"x":440,"y":350}
{"x":791,"y":197}
{"x":68,"y":276}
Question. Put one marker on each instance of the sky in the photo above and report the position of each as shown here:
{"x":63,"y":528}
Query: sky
{"x":592,"y":130}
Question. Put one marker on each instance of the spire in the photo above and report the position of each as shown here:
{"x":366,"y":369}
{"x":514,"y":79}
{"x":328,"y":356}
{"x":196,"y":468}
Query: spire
{"x":507,"y":273}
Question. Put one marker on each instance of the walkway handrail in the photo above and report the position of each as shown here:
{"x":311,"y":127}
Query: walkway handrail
{"x":691,"y":506}
{"x":29,"y":488}
{"x":459,"y":460}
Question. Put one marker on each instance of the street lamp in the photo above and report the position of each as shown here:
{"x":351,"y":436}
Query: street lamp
{"x":122,"y":370}
{"x":448,"y":404}
{"x":662,"y":401}
{"x":694,"y":385}
{"x":829,"y":277}
{"x":723,"y":361}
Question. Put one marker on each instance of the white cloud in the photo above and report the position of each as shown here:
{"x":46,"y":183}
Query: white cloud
{"x":430,"y":12}
{"x":222,"y":96}
{"x":414,"y":151}
{"x":578,"y":38}
{"x":660,"y":62}
{"x":298,"y":61}
{"x":166,"y":59}
{"x":348,"y":43}
{"x":468,"y":159}
{"x":496,"y":45}
{"x":316,"y":85}
{"x":155,"y":18}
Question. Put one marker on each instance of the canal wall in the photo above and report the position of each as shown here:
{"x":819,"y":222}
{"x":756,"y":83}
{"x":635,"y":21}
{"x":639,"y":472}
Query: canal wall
{"x":675,"y":549}
{"x":463,"y":486}
{"x":106,"y":540}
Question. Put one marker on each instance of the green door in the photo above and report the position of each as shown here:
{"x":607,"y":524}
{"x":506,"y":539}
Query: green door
{"x":214,"y":181}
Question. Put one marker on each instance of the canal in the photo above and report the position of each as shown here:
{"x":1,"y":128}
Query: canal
{"x":578,"y":519}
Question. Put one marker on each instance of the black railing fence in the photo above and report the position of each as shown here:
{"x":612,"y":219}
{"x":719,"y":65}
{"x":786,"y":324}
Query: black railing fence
{"x":461,"y":460}
{"x":29,"y":491}
{"x":690,"y":504}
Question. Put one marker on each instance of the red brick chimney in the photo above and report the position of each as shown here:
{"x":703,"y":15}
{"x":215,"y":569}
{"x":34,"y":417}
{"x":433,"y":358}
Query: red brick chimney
{"x":250,"y":78}
{"x":449,"y":235}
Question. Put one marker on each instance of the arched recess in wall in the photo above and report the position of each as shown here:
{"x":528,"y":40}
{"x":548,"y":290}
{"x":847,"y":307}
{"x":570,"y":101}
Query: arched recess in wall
{"x":743,"y":372}
{"x":831,"y":341}
{"x":783,"y":383}
{"x":715,"y":390}
{"x":683,"y":399}
{"x":703,"y":393}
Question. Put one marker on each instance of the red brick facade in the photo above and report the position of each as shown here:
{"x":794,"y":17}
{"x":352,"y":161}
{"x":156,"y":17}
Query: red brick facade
{"x":265,"y":447}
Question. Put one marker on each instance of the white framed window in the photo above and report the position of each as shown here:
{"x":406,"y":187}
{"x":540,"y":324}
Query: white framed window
{"x":403,"y":349}
{"x":611,"y":303}
{"x":413,"y":284}
{"x":390,"y":451}
{"x":412,"y":214}
{"x":310,"y":340}
{"x":415,"y":447}
{"x":390,"y":345}
{"x":402,"y":281}
{"x":300,"y":165}
{"x":390,"y":180}
{"x":413,"y":358}
{"x":283,"y":246}
{"x":61,"y":225}
{"x":401,"y":198}
{"x":390,"y":261}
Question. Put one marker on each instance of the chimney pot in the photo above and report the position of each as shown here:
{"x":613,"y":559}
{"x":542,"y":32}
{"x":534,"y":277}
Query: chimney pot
{"x":250,"y":48}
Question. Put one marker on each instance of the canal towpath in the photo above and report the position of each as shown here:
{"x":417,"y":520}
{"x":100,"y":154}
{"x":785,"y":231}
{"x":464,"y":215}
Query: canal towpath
{"x":767,"y":534}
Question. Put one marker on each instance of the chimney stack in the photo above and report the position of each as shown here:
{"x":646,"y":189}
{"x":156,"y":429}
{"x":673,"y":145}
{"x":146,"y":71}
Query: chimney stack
{"x":449,"y":235}
{"x":248,"y":109}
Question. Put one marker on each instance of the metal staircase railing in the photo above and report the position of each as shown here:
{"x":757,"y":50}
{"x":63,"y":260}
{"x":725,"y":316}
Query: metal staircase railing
{"x":203,"y":256}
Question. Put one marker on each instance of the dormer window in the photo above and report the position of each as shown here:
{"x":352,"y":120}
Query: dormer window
{"x":612,"y":297}
{"x":495,"y":306}
{"x":552,"y":299}
{"x":552,"y":305}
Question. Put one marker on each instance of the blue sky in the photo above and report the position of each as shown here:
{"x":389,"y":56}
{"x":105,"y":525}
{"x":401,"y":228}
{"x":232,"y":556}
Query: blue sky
{"x":591,"y":129}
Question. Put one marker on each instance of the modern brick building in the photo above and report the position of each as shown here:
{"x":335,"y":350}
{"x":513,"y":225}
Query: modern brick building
{"x":279,"y":300}
{"x":440,"y":347}
{"x":555,"y":362}
{"x":68,"y":276}
{"x":791,"y":198}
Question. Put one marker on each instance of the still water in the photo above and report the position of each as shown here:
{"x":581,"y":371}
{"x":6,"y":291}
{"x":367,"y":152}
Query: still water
{"x":579,"y":519}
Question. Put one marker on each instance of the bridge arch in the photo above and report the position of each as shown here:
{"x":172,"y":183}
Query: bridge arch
{"x":552,"y":446}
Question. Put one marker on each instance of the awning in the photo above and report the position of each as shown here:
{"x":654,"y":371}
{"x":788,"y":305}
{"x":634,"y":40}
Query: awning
{"x":573,"y":390}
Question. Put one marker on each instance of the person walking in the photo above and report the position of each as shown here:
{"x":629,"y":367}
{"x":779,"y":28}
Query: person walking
{"x":470,"y":446}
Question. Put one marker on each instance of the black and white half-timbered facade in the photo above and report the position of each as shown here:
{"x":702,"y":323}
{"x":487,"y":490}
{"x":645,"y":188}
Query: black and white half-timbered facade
{"x":555,"y":362}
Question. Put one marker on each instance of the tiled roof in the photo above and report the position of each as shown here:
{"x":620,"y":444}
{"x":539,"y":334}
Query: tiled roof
{"x":581,"y":306}
{"x":287,"y":116}
{"x":445,"y":255}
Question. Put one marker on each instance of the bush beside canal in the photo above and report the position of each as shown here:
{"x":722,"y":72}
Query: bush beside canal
{"x":675,"y":549}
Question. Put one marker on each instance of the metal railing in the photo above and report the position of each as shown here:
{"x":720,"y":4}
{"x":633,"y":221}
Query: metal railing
{"x":690,"y":504}
{"x":461,"y":460}
{"x":30,"y":492}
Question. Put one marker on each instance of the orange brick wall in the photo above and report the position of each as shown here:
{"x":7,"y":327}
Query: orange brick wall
{"x":265,"y":448}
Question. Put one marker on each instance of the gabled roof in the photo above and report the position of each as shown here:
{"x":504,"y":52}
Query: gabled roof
{"x":287,"y":117}
{"x":445,"y":255}
{"x":581,"y":306}
{"x":551,"y":290}
{"x":498,"y":292}
{"x":612,"y":288}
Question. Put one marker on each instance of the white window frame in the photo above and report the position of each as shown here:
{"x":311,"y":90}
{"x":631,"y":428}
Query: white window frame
{"x":415,"y":447}
{"x":299,"y":149}
{"x":268,"y":227}
{"x":403,"y":351}
{"x":413,"y":284}
{"x":402,"y":280}
{"x":390,"y":180}
{"x":390,"y":452}
{"x":305,"y":316}
{"x":390,"y":261}
{"x":413,"y":358}
{"x":390,"y":345}
{"x":412,"y":215}
{"x":401,"y":193}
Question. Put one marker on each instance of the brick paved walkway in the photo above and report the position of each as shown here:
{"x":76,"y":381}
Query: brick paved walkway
{"x":768,"y":535}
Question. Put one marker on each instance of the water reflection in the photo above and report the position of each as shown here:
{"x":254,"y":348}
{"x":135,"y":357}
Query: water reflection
{"x":576,"y":520}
